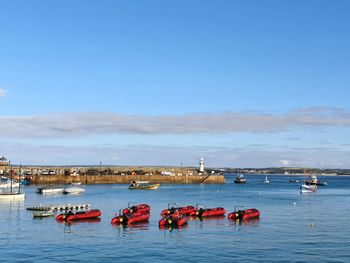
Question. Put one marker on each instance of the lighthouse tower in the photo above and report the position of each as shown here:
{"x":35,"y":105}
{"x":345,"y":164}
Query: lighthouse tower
{"x":201,"y":165}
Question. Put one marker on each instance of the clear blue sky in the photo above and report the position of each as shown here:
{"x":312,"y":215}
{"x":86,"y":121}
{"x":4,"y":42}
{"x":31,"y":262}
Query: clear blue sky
{"x":241,"y":83}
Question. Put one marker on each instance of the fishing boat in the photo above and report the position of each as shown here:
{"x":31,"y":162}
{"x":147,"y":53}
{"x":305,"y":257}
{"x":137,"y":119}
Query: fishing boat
{"x":244,"y":214}
{"x":72,"y":216}
{"x":40,"y":214}
{"x":143,"y":185}
{"x":173,"y":220}
{"x":185,"y":210}
{"x":306,"y":187}
{"x":208,"y":212}
{"x":50,"y":190}
{"x":266,"y":180}
{"x":240,"y":179}
{"x":6,"y":182}
{"x":9,"y":194}
{"x":73,"y":190}
{"x":313,"y":180}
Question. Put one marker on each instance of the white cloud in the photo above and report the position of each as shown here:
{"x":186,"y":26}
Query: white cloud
{"x":285,"y":162}
{"x":82,"y":124}
{"x":2,"y":93}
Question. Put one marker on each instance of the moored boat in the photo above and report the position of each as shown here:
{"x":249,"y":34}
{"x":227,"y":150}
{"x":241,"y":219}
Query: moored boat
{"x":185,"y":210}
{"x":244,"y":214}
{"x":39,"y":214}
{"x":71,"y":216}
{"x":240,"y":179}
{"x":131,"y":218}
{"x":50,"y":190}
{"x":173,"y":220}
{"x":143,"y":185}
{"x":208,"y":212}
{"x":313,"y":180}
{"x":141,"y":208}
{"x":73,"y":190}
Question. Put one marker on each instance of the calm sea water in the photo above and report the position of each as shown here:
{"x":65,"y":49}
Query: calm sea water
{"x":314,"y":229}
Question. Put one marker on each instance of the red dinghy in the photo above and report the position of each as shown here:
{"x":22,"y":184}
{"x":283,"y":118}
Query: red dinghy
{"x":130,"y":218}
{"x":244,"y":214}
{"x":133,"y":214}
{"x":141,"y":208}
{"x":185,"y":210}
{"x":208,"y":212}
{"x":173,"y":220}
{"x":71,"y":216}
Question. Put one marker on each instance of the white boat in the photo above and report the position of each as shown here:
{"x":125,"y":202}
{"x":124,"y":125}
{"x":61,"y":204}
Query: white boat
{"x":49,"y":190}
{"x":47,"y":213}
{"x":266,"y":181}
{"x":73,"y":190}
{"x":9,"y":194}
{"x":308,"y":188}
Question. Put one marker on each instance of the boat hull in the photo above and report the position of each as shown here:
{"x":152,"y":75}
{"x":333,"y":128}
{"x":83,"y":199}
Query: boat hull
{"x":71,"y":216}
{"x":251,"y":213}
{"x":12,"y":196}
{"x":209,"y":212}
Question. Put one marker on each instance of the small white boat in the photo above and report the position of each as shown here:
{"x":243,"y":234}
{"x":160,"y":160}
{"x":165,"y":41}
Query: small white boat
{"x":74,"y":190}
{"x":49,"y":190}
{"x":46,"y":213}
{"x":308,"y":188}
{"x":266,"y":181}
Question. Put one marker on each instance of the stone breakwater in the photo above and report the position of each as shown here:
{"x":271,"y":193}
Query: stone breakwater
{"x":126,"y":179}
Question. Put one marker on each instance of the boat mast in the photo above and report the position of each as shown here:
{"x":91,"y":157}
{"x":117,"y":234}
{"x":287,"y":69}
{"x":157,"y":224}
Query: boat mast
{"x":10,"y":176}
{"x":19,"y":178}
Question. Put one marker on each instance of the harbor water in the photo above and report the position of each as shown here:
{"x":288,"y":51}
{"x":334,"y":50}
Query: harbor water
{"x":292,"y":227}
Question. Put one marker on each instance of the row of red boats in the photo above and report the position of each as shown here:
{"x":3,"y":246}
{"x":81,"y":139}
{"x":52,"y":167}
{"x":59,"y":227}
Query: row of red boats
{"x":174,"y":216}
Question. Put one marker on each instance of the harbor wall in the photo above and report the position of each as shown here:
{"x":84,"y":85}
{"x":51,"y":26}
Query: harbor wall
{"x":126,"y":179}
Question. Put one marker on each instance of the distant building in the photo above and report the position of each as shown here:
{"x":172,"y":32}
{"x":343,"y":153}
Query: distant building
{"x":4,"y":164}
{"x":201,"y":165}
{"x":4,"y":161}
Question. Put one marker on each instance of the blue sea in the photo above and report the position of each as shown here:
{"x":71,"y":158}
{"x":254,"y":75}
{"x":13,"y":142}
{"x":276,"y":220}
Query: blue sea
{"x":292,"y":228}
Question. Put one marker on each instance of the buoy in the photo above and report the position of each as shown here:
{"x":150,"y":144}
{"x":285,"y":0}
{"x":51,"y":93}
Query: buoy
{"x":294,"y":203}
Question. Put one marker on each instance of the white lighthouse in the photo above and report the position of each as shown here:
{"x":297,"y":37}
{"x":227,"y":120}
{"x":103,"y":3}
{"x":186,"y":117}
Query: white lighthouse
{"x":201,"y":165}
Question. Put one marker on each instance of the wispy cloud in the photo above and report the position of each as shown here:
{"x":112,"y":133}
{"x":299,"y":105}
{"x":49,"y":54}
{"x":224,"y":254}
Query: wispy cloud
{"x":2,"y":92}
{"x":50,"y":154}
{"x":82,"y":124}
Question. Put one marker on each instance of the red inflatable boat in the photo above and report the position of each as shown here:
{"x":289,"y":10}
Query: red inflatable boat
{"x":207,"y":212}
{"x":131,"y":218}
{"x":185,"y":210}
{"x":174,"y":220}
{"x":244,"y":214}
{"x":71,"y":216}
{"x":141,"y":208}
